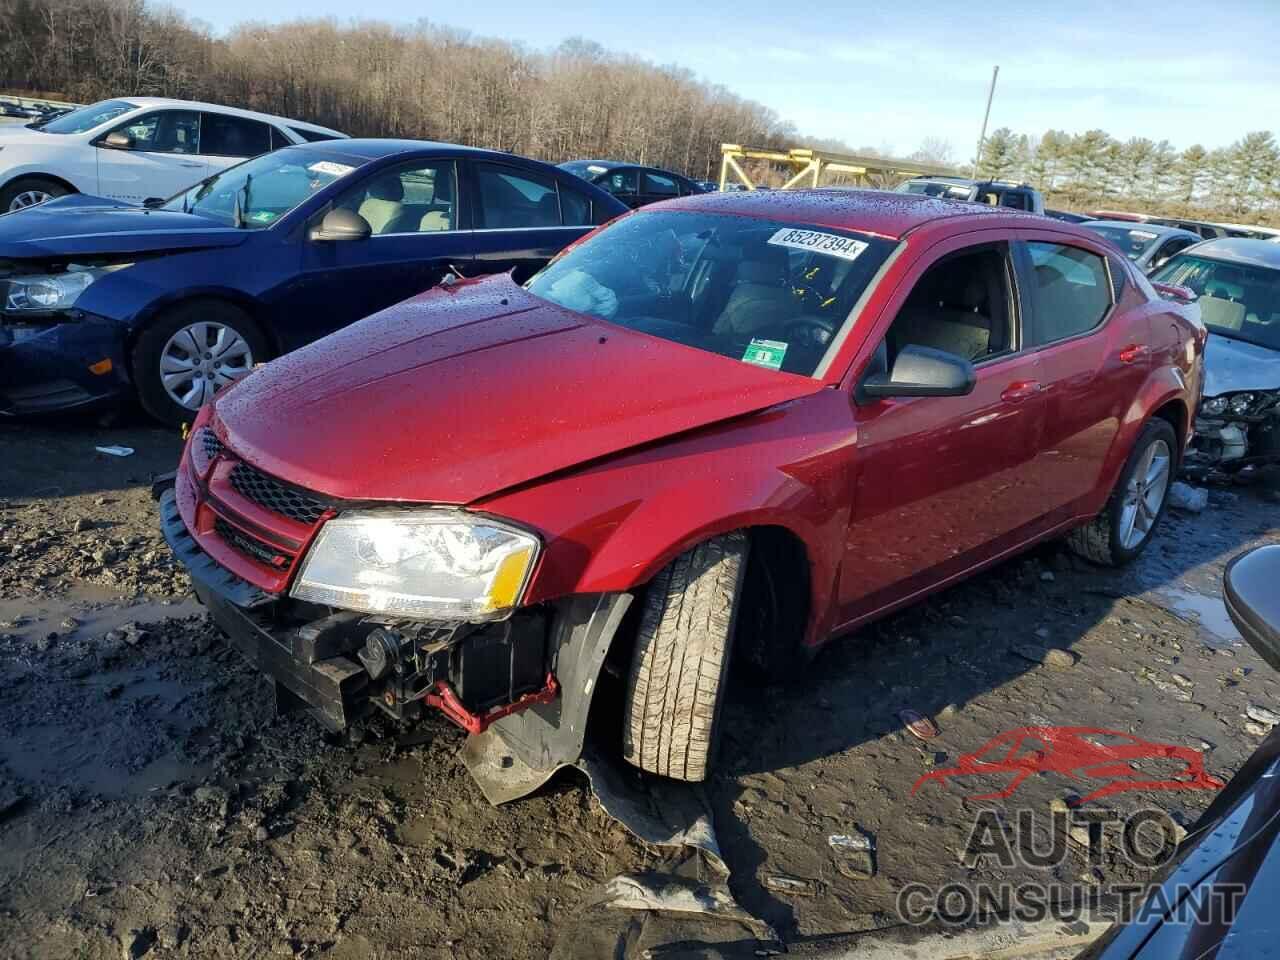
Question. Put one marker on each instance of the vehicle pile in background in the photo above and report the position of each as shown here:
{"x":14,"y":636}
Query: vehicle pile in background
{"x":76,"y":329}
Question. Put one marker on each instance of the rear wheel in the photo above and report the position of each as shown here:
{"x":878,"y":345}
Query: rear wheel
{"x":29,"y":192}
{"x":676,"y":685}
{"x":1124,"y":528}
{"x":190,"y":353}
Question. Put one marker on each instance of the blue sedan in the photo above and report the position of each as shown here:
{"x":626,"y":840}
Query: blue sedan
{"x":177,"y":300}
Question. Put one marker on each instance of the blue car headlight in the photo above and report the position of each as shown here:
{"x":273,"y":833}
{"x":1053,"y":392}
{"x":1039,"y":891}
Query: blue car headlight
{"x":52,"y":292}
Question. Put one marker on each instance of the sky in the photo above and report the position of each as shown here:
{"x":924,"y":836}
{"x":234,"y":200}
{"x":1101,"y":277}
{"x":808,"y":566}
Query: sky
{"x":887,"y":76}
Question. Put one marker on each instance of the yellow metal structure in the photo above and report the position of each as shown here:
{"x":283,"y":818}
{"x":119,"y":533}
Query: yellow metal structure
{"x":807,"y":167}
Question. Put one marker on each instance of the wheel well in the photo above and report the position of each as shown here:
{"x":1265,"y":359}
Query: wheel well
{"x":776,"y":598}
{"x":39,"y":176}
{"x":1176,"y":415}
{"x":151,"y":316}
{"x":771,"y":623}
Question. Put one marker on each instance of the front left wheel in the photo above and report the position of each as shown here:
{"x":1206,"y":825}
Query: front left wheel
{"x":190,"y":353}
{"x":675,"y":689}
{"x":29,"y":192}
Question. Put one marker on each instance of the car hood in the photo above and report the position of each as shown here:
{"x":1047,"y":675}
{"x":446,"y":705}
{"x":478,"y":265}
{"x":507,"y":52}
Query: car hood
{"x":80,"y":225}
{"x":1231,"y":364}
{"x":468,"y":390}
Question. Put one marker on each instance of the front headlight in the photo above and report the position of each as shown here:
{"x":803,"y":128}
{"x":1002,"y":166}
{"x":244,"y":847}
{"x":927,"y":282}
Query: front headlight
{"x":50,"y":293}
{"x":426,"y":564}
{"x":1214,"y":406}
{"x":1241,"y":403}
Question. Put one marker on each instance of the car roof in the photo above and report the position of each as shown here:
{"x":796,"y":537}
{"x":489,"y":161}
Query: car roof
{"x":604,"y":164}
{"x":1157,"y":229}
{"x":1242,"y":250}
{"x":607,"y":165}
{"x":881,"y":212}
{"x":376,"y":148}
{"x":232,"y":111}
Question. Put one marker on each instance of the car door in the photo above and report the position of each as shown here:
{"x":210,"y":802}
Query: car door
{"x":418,"y":234}
{"x":522,"y":217}
{"x":162,"y":158}
{"x":226,"y":140}
{"x":1093,"y":361}
{"x":945,"y":483}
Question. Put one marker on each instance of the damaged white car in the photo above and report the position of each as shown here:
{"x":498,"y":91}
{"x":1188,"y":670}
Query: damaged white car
{"x":1237,"y":429}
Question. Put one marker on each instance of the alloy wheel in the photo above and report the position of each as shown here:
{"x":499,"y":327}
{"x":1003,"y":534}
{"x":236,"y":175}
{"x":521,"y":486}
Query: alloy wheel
{"x":1144,"y":495}
{"x":201,"y":359}
{"x":28,"y":198}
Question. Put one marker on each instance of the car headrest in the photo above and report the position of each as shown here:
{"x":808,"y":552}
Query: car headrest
{"x":759,"y":271}
{"x":386,"y":188}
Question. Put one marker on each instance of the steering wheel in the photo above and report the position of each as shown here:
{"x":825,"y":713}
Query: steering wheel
{"x":810,"y":331}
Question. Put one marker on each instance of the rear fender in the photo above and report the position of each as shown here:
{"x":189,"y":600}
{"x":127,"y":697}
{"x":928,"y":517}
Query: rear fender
{"x":1163,"y":385}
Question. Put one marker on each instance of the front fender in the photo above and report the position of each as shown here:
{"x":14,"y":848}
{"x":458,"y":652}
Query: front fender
{"x":611,"y":527}
{"x":38,"y":168}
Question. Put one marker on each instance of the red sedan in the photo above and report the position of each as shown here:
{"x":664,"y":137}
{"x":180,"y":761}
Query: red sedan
{"x":734,"y":424}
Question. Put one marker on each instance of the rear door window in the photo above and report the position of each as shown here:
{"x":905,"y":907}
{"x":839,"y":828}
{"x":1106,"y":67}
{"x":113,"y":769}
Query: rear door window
{"x":659,"y":186}
{"x":511,"y":198}
{"x":574,"y":207}
{"x":226,"y":136}
{"x":1070,"y":291}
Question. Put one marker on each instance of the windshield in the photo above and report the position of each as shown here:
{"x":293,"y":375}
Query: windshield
{"x":1236,"y":300}
{"x":257,"y":193}
{"x":86,"y":118}
{"x":764,"y":292}
{"x":1132,"y":242}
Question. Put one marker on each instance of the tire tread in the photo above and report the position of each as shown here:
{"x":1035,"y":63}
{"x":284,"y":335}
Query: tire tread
{"x":682,"y":652}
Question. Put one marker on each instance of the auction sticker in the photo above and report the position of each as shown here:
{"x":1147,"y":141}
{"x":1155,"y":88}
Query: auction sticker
{"x":846,"y":248}
{"x":765,"y":353}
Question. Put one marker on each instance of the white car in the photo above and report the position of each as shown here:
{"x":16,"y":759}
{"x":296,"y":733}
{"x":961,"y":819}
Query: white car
{"x":136,"y":148}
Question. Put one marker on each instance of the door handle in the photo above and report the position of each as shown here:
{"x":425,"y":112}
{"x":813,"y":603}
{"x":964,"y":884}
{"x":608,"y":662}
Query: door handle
{"x":1134,"y":352}
{"x":1021,"y":390}
{"x":194,"y":166}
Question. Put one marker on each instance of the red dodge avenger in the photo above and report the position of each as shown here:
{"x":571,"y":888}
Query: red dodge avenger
{"x":725,"y":426}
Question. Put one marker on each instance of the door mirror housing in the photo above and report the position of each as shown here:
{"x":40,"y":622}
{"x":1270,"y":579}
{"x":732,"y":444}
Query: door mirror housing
{"x":117,"y":140}
{"x":341,"y":224}
{"x":152,"y":203}
{"x":1249,"y":593}
{"x":921,"y":372}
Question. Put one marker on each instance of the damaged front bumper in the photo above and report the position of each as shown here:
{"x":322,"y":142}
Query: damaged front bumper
{"x":58,"y":366}
{"x":1227,"y":446}
{"x":530,"y":677}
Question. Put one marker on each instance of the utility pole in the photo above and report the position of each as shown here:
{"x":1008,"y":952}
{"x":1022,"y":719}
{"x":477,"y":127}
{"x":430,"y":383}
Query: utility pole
{"x":982,"y":137}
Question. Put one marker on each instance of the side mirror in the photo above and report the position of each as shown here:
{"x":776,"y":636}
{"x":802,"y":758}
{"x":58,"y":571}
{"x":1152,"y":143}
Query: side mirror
{"x":152,"y":203}
{"x":341,"y":224}
{"x":117,"y":140}
{"x":922,"y":372}
{"x":1252,"y":602}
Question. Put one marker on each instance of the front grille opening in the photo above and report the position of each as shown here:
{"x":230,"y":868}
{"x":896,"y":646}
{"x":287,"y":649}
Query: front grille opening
{"x":275,"y":496}
{"x":252,"y":547}
{"x":210,"y":442}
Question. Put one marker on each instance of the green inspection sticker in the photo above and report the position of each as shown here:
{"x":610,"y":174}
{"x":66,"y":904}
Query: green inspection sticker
{"x":765,"y":353}
{"x":262,"y":216}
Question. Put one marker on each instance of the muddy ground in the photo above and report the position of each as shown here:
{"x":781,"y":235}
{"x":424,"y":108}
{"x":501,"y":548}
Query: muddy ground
{"x":152,"y":805}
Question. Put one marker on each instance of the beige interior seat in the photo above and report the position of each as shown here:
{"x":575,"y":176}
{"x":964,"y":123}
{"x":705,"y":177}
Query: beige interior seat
{"x":1221,"y":312}
{"x":759,"y":299}
{"x":383,"y":202}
